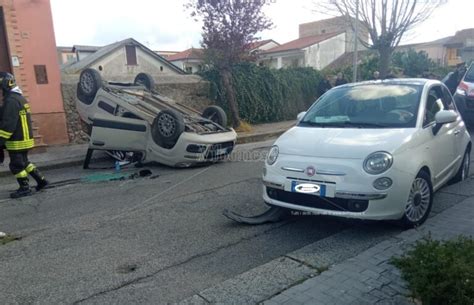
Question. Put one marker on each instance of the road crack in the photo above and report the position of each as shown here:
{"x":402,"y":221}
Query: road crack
{"x":186,"y":261}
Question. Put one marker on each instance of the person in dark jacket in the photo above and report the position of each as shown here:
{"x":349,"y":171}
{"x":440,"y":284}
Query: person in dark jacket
{"x":324,"y":85}
{"x":455,"y":78}
{"x":340,"y":80}
{"x":16,"y":133}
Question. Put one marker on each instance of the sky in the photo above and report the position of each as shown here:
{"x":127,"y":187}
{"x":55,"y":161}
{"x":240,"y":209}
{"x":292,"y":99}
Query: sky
{"x":165,"y":25}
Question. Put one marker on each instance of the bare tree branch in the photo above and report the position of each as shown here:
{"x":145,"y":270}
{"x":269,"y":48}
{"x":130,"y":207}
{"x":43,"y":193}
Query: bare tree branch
{"x":386,"y":21}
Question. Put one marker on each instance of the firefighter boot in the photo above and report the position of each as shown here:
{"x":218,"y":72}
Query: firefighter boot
{"x":23,"y":190}
{"x":39,"y":178}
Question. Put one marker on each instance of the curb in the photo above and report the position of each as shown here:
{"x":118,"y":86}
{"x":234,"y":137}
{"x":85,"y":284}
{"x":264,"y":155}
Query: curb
{"x":57,"y":165}
{"x":259,"y":137}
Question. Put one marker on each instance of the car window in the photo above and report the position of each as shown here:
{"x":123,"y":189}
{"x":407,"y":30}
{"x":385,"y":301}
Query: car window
{"x":448,"y":100}
{"x":469,"y":77}
{"x":366,"y":106}
{"x":433,"y":105}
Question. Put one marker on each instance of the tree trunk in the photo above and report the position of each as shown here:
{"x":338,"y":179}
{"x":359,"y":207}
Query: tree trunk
{"x":231,"y":99}
{"x":384,"y":66}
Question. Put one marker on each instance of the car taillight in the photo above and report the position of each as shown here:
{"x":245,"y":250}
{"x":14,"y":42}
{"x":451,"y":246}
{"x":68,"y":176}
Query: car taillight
{"x":462,"y":88}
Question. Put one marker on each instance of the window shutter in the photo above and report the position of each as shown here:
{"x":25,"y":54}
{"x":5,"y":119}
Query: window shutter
{"x":131,"y":55}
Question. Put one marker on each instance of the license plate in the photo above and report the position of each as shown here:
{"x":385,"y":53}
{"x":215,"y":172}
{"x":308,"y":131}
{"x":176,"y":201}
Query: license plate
{"x":310,"y":188}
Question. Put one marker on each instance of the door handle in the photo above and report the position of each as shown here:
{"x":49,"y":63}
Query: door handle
{"x":456,"y":132}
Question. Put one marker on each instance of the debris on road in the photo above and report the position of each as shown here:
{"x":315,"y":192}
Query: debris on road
{"x":273,"y":214}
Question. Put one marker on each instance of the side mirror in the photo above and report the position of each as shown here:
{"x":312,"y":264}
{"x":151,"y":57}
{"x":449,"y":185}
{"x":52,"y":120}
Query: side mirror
{"x":445,"y":117}
{"x":300,"y":116}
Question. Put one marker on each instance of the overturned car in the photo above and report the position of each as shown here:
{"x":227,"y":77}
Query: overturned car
{"x":132,"y":117}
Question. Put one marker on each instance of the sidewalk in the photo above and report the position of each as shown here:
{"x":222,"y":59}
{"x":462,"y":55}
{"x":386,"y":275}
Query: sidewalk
{"x":74,"y":154}
{"x":368,"y":278}
{"x":262,"y":132}
{"x":55,"y":157}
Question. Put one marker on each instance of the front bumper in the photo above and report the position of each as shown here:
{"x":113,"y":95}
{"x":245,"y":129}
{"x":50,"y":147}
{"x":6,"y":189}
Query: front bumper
{"x":217,"y":147}
{"x":353,"y":196}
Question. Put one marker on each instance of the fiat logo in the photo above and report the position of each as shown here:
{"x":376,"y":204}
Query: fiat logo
{"x":310,"y":171}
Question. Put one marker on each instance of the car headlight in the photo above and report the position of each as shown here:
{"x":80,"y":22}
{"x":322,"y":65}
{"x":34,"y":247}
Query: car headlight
{"x":273,"y":155}
{"x":378,"y":162}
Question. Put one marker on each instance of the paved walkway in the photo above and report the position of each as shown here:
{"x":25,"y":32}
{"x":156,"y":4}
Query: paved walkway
{"x":368,"y":278}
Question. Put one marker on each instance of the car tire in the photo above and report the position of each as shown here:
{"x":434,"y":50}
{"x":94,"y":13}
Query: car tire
{"x":167,"y":127}
{"x":215,"y":114}
{"x":146,"y":80}
{"x":419,"y":202}
{"x":463,"y":171}
{"x":89,"y":83}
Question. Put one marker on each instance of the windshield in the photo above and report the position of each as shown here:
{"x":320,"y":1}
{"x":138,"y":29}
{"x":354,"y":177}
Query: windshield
{"x":366,"y":106}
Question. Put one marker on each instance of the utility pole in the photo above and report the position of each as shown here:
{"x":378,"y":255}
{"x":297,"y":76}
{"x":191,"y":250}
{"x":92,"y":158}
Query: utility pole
{"x":356,"y":40}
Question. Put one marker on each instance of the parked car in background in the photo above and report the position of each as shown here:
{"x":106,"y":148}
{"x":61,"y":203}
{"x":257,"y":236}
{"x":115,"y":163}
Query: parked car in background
{"x":132,"y":117}
{"x":372,"y":150}
{"x":464,"y":96}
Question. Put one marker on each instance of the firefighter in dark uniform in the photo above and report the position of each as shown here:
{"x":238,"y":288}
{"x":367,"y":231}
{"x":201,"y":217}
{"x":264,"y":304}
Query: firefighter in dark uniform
{"x":16,"y":133}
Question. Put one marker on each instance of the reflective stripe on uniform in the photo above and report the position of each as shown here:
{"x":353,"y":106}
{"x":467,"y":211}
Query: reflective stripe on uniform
{"x":22,"y":174}
{"x":20,"y":145}
{"x":5,"y":134}
{"x":31,"y":167}
{"x":24,"y":125}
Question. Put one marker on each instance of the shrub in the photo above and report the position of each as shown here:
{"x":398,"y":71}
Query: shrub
{"x":440,"y":273}
{"x":267,"y":95}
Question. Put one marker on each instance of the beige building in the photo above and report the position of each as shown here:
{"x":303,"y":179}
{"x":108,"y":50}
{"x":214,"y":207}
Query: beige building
{"x":319,"y":44}
{"x":123,"y":60}
{"x":447,"y":51}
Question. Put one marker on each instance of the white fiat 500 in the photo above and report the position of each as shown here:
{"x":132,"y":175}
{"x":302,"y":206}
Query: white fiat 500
{"x":371,"y":150}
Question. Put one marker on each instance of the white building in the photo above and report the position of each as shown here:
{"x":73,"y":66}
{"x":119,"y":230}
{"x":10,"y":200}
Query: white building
{"x":319,"y":44}
{"x":312,"y":51}
{"x":190,"y":60}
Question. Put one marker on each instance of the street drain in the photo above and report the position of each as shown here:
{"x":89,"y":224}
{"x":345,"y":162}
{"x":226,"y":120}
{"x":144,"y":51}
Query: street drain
{"x":127,"y":268}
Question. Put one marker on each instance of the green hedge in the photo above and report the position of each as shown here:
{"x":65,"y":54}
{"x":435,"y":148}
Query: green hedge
{"x":267,"y":95}
{"x":440,"y":273}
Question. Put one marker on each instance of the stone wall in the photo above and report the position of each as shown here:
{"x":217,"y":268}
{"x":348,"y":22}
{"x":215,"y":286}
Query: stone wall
{"x":193,"y":92}
{"x":74,"y":129}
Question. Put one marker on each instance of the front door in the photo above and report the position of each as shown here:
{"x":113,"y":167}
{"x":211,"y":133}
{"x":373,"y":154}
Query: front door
{"x":118,"y":133}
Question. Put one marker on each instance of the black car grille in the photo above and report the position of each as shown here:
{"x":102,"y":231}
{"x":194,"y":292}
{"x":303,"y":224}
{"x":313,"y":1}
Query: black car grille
{"x":311,"y":201}
{"x":219,"y":150}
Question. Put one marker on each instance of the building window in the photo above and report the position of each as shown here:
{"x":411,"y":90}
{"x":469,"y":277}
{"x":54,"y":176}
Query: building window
{"x":41,"y":75}
{"x":131,"y":55}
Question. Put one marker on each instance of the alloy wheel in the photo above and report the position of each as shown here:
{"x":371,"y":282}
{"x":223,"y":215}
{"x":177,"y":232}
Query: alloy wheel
{"x":418,"y":201}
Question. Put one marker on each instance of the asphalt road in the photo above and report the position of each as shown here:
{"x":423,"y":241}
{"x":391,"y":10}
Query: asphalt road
{"x":144,"y":241}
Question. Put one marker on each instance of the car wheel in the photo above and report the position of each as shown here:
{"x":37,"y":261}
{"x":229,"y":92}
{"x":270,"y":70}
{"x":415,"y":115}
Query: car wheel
{"x":167,"y":127}
{"x":215,"y":114}
{"x":146,"y":80}
{"x":420,"y":200}
{"x":90,"y":82}
{"x":463,"y":171}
